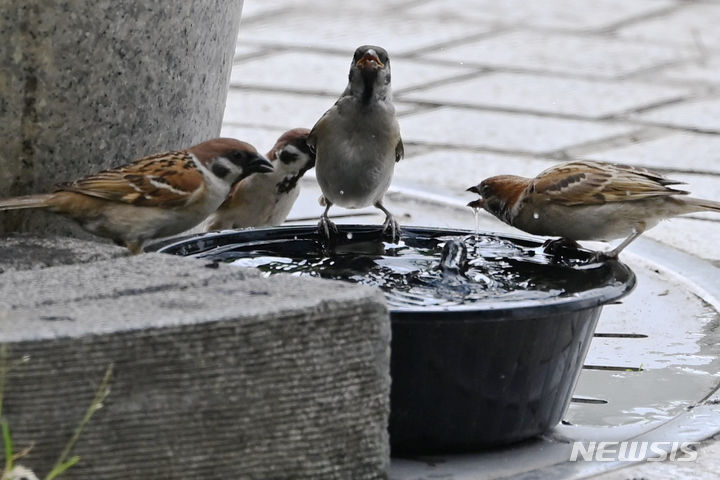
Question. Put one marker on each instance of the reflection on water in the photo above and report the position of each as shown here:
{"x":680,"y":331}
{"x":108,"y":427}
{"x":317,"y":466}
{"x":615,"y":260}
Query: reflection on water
{"x":432,"y":271}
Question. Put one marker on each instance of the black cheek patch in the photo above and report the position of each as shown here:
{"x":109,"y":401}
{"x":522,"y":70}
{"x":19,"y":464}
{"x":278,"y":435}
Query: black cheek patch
{"x":288,"y":157}
{"x":219,"y":170}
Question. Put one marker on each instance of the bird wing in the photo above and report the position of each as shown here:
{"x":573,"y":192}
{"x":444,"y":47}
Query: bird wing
{"x":164,"y":180}
{"x":594,"y":183}
{"x":319,"y":126}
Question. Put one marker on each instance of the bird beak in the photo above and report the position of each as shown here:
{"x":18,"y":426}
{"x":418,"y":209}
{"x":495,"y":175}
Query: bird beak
{"x":370,"y":61}
{"x":473,"y":189}
{"x":476,"y":203}
{"x":260,"y":164}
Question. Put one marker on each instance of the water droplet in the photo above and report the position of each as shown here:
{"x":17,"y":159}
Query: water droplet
{"x":536,"y":215}
{"x":476,"y":212}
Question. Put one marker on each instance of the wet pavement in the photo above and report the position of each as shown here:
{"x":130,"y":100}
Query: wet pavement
{"x":487,"y":87}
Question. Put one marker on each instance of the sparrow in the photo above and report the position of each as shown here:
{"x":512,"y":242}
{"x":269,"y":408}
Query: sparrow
{"x":263,"y":200}
{"x":586,"y":200}
{"x":357,"y":141}
{"x":155,"y":196}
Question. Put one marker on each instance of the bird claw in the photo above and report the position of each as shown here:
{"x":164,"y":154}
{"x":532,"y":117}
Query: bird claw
{"x":602,"y":257}
{"x":554,"y":247}
{"x":327,"y":228}
{"x":393,"y":227}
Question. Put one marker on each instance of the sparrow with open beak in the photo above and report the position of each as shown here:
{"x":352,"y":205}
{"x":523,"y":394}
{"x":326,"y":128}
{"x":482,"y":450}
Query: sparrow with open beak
{"x":357,"y":141}
{"x":264,"y":200}
{"x":155,"y":196}
{"x":587,"y":200}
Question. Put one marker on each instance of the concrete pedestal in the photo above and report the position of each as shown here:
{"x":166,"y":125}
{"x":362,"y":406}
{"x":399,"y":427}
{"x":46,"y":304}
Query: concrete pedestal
{"x":219,"y":372}
{"x":89,"y":84}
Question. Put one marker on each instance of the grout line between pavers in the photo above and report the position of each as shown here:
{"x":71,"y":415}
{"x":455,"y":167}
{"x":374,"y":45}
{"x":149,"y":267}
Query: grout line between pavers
{"x":642,"y":17}
{"x":675,"y":127}
{"x":494,"y":31}
{"x":624,"y":115}
{"x":606,"y":119}
{"x":470,"y":75}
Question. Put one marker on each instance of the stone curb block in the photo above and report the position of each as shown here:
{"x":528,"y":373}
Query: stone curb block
{"x":219,"y":372}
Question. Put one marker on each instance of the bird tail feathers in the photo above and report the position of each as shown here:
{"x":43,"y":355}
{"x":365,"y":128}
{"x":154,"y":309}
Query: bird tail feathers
{"x":701,"y":204}
{"x":29,"y":201}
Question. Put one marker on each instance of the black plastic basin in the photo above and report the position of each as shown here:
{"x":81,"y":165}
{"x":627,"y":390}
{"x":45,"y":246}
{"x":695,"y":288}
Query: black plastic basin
{"x":485,"y":372}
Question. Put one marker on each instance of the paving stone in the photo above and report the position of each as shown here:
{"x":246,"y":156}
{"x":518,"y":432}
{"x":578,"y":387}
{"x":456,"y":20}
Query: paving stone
{"x":502,"y":131}
{"x":327,"y":73}
{"x":563,"y":53}
{"x":269,"y":109}
{"x":244,"y":51}
{"x":345,"y":27}
{"x":675,"y":151}
{"x":262,"y":138}
{"x":454,"y":170}
{"x":690,"y":25}
{"x":701,"y":114}
{"x":281,"y":110}
{"x":563,"y":14}
{"x":541,"y":93}
{"x":252,"y":9}
{"x":698,"y":71}
{"x":696,"y":237}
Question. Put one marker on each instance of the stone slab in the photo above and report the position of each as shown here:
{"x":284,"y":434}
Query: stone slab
{"x":706,"y":71}
{"x":690,"y":25}
{"x":584,"y":55}
{"x":253,"y":9}
{"x":674,"y":151}
{"x":327,"y":73}
{"x":219,"y":372}
{"x":345,"y":26}
{"x":560,"y":14}
{"x":243,"y":51}
{"x":701,"y":114}
{"x":26,"y":252}
{"x":503,"y":131}
{"x":262,"y":138}
{"x":275,"y":109}
{"x":694,"y":236}
{"x":548,"y":94}
{"x":282,"y":110}
{"x":462,"y":169}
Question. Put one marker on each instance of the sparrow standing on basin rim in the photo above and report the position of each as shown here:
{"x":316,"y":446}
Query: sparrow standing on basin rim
{"x":357,"y":141}
{"x":155,"y":196}
{"x":587,"y":201}
{"x":265,"y":200}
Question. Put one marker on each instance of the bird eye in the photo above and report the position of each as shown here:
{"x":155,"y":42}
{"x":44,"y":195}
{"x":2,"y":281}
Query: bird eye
{"x":238,"y":157}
